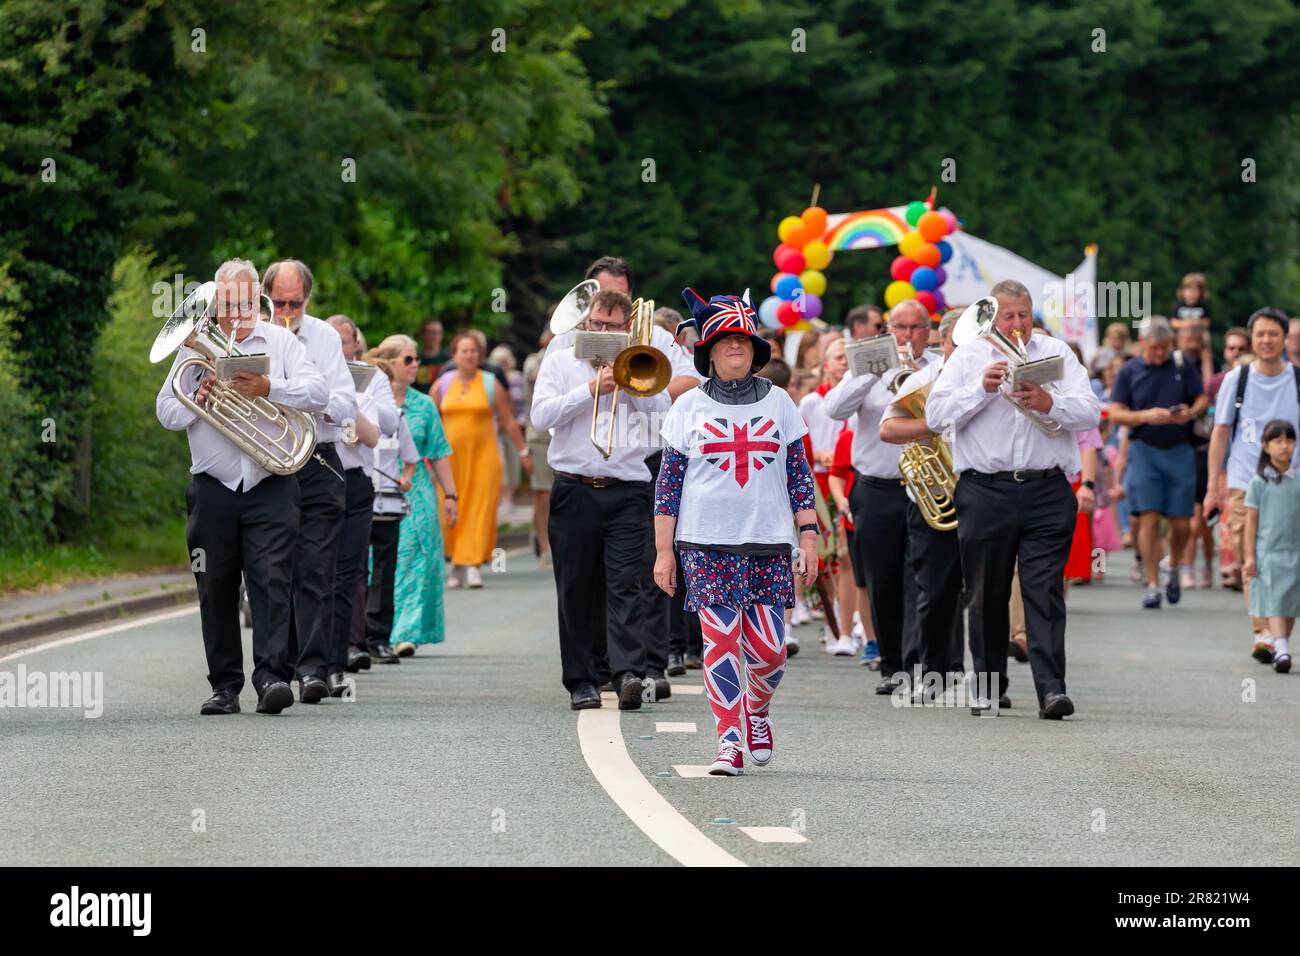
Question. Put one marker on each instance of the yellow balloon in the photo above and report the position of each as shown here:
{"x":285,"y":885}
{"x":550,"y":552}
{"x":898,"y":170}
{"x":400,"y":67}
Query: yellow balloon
{"x":803,"y":325}
{"x":816,"y":256}
{"x":910,"y":243}
{"x":813,"y":282}
{"x":897,"y":291}
{"x":788,"y":224}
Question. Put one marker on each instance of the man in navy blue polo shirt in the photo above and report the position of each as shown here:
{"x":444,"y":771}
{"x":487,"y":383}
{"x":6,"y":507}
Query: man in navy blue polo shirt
{"x":1158,"y":398}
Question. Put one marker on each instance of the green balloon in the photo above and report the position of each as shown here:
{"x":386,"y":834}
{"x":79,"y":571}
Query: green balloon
{"x":915,"y":210}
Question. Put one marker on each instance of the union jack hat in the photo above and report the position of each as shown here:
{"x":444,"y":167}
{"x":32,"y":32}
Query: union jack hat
{"x":721,"y":316}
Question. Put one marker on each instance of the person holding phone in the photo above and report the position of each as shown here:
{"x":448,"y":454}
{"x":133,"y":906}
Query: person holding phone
{"x":1157,"y":397}
{"x":733,"y":462}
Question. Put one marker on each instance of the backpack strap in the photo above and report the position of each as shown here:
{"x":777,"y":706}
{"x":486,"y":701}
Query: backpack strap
{"x":1241,"y":397}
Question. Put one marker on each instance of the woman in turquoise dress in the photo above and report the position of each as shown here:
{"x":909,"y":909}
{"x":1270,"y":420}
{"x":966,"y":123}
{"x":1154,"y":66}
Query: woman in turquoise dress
{"x":417,"y":597}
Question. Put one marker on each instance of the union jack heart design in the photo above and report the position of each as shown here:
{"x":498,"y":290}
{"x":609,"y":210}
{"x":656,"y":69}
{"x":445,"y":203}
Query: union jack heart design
{"x":742,"y":448}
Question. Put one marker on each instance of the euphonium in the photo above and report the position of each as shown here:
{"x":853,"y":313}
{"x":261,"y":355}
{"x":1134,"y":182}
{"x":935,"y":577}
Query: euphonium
{"x":278,"y":438}
{"x":926,"y":468}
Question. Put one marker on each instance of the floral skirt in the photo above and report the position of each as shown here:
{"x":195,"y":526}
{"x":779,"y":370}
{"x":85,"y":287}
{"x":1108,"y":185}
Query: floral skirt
{"x":736,"y":580}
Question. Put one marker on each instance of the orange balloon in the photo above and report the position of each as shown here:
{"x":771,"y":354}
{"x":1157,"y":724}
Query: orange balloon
{"x":932,"y":226}
{"x":814,"y":217}
{"x":798,"y":236}
{"x":928,"y":255}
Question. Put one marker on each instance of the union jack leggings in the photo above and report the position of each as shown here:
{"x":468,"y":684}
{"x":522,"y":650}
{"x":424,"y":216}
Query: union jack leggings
{"x":744,"y":656}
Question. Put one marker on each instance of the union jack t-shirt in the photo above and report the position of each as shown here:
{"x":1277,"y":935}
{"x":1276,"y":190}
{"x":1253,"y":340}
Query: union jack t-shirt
{"x":735,"y":489}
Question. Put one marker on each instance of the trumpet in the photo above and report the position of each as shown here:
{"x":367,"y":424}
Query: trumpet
{"x":906,"y":366}
{"x":978,"y":322}
{"x":278,"y":438}
{"x":638,"y":367}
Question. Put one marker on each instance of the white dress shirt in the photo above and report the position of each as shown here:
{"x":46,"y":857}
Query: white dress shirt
{"x":295,"y":382}
{"x":377,"y":404}
{"x":823,"y":431}
{"x":988,"y":434}
{"x":325,"y":349}
{"x":868,"y":396}
{"x":562,"y":405}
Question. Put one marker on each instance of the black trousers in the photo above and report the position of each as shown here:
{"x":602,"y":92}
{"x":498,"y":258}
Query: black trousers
{"x":880,"y":536}
{"x":999,"y":522}
{"x":656,"y":607}
{"x":235,"y":534}
{"x":684,"y":636}
{"x":353,"y":550}
{"x":937,"y":566}
{"x":383,"y":580}
{"x":597,"y":538}
{"x":323,"y":497}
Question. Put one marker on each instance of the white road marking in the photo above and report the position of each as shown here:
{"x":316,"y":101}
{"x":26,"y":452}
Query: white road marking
{"x":601,"y":739}
{"x":672,"y":727}
{"x":102,"y":631}
{"x":692,"y":772}
{"x":688,"y":689}
{"x":774,"y":834}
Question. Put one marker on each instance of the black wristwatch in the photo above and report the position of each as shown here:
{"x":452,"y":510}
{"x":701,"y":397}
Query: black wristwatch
{"x":1089,"y":484}
{"x":807,"y":527}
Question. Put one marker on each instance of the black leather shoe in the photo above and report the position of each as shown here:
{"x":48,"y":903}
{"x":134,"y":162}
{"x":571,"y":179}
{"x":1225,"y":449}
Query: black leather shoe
{"x":381,"y":653}
{"x":676,"y":665}
{"x":693,"y":662}
{"x":629,"y":688}
{"x":887,"y":684}
{"x":982,"y":705}
{"x":274,"y":697}
{"x":221,"y":702}
{"x":584,"y":697}
{"x":663,"y":689}
{"x":312,"y":690}
{"x":358,"y":660}
{"x":1055,"y":706}
{"x":337,"y":683}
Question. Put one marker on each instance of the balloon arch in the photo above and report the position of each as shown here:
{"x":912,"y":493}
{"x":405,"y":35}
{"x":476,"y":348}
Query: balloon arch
{"x":808,"y":243}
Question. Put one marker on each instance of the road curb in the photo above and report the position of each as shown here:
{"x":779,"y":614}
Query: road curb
{"x":103,"y":613}
{"x":120,"y":608}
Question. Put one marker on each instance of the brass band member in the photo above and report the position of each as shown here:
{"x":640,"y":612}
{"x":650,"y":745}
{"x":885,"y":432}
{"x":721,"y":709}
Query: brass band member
{"x":1013,"y":499}
{"x":936,"y":558}
{"x":243,"y":520}
{"x":878,"y":500}
{"x":320,"y":481}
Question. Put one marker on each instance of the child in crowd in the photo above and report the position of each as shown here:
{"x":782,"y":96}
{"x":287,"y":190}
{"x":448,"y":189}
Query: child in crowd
{"x":1272,"y":557}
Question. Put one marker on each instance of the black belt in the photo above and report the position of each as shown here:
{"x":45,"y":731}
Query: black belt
{"x":874,"y":482}
{"x":597,"y":481}
{"x":1023,"y":474}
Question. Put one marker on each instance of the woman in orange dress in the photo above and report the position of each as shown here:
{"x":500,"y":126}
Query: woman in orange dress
{"x":473,"y":405}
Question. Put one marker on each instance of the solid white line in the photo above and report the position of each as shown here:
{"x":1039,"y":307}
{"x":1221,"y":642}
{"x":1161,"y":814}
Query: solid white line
{"x":606,"y":756}
{"x":674,"y":727}
{"x":774,"y":834}
{"x":102,"y":631}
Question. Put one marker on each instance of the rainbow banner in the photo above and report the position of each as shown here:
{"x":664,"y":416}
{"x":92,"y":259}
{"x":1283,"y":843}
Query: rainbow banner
{"x":868,"y":229}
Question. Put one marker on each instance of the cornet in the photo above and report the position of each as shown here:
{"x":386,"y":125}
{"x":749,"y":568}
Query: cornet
{"x":978,"y":322}
{"x":278,"y":438}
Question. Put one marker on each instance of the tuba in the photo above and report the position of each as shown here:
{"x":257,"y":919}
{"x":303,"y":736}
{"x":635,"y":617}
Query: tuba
{"x":277,"y":438}
{"x":978,"y":322}
{"x":638,"y":367}
{"x":926,"y":468}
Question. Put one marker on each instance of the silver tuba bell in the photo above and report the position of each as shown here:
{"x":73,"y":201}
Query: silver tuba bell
{"x":279,"y":439}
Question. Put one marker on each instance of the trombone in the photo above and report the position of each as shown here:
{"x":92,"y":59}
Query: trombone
{"x":978,"y":322}
{"x":638,"y":367}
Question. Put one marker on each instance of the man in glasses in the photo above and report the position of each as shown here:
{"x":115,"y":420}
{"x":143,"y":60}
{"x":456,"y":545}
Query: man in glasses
{"x":242,"y":519}
{"x":321,"y":484}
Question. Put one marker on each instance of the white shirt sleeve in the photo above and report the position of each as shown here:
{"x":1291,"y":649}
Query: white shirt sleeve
{"x":385,"y":408}
{"x":303,"y":386}
{"x":1074,"y":404}
{"x":342,"y":402}
{"x":171,"y":413}
{"x":406,"y":449}
{"x":954,"y":400}
{"x":845,"y":399}
{"x":553,"y":403}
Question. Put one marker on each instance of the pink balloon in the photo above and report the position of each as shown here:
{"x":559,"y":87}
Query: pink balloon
{"x":950,"y":218}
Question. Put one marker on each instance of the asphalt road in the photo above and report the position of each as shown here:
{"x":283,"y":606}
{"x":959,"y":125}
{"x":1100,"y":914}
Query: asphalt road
{"x":468,"y":754}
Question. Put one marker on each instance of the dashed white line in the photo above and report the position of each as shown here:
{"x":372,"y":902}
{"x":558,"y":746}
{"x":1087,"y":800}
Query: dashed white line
{"x":674,"y":727}
{"x":774,"y":834}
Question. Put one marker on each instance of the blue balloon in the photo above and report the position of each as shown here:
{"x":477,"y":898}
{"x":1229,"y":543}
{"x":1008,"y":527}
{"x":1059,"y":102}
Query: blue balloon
{"x":788,"y":287}
{"x":945,"y":250}
{"x":924,"y":279}
{"x":767,"y":312}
